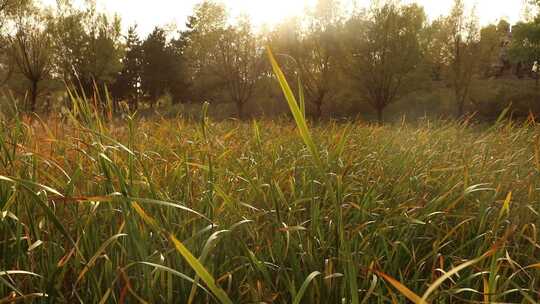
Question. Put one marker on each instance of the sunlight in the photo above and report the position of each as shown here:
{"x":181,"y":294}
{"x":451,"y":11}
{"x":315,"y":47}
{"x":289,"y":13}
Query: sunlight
{"x":164,"y":12}
{"x":269,"y":12}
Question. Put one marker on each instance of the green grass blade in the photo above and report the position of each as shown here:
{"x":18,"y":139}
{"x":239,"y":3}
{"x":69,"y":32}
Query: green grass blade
{"x":303,"y":288}
{"x":295,"y":110}
{"x":200,"y":270}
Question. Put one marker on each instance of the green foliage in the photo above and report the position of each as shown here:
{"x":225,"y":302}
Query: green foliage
{"x":526,"y":42}
{"x":204,"y":30}
{"x":87,"y":48}
{"x":155,"y":64}
{"x":127,"y":85}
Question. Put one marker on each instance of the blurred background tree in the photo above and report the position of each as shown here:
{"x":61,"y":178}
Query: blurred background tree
{"x":384,"y":59}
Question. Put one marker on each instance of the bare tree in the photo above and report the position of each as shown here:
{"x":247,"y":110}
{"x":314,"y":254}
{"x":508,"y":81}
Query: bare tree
{"x":317,"y":60}
{"x":7,"y":10}
{"x":240,"y":63}
{"x":30,"y":49}
{"x":464,"y":52}
{"x":384,"y":58}
{"x":310,"y":51}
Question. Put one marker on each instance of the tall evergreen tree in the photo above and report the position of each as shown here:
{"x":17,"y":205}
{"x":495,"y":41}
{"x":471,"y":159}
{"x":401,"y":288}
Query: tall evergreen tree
{"x":204,"y":30}
{"x":155,"y":63}
{"x":177,"y":81}
{"x":128,"y":82}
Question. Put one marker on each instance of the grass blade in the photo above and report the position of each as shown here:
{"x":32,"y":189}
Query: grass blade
{"x":295,"y":109}
{"x":303,"y":288}
{"x":200,"y":270}
{"x":454,"y":271}
{"x":404,"y":290}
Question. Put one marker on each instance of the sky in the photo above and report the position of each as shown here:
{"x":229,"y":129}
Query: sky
{"x":149,"y":13}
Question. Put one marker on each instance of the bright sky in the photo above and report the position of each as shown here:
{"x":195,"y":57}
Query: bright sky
{"x":149,"y":13}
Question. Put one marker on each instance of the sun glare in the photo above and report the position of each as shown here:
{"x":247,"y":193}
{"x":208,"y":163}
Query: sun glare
{"x":148,"y":14}
{"x":268,"y":12}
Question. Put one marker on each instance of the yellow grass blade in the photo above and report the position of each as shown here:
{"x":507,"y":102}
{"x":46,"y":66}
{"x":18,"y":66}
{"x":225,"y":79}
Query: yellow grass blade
{"x":295,"y":109}
{"x":537,"y":265}
{"x":486,"y":289}
{"x":454,"y":271}
{"x":506,"y":204}
{"x":404,"y":290}
{"x":200,"y":270}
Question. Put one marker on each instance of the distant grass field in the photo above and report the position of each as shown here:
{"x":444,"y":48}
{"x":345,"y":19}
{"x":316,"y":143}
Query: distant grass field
{"x":199,"y":212}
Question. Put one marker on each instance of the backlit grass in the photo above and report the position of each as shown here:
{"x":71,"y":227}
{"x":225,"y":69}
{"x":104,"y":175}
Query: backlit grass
{"x":182,"y":211}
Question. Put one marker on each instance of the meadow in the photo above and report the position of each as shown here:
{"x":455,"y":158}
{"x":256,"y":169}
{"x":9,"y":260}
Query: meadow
{"x":102,"y":210}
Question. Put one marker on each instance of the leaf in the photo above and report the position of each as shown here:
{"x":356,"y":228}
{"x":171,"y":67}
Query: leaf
{"x":486,"y":289}
{"x":96,"y":255}
{"x":200,"y":270}
{"x":371,"y":289}
{"x":147,"y":218}
{"x":35,"y":245}
{"x":195,"y":264}
{"x":537,"y":266}
{"x":295,"y":110}
{"x":48,"y":211}
{"x":11,"y":272}
{"x":404,"y":290}
{"x":506,"y":205}
{"x":302,"y":97}
{"x":452,"y":272}
{"x":304,"y":287}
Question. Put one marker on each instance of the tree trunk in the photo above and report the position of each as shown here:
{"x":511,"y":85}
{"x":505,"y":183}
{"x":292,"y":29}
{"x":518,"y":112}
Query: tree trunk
{"x":460,"y":107}
{"x":240,"y":110}
{"x":318,"y":110}
{"x":536,"y":91}
{"x":33,"y":96}
{"x":380,"y":119}
{"x":134,"y":103}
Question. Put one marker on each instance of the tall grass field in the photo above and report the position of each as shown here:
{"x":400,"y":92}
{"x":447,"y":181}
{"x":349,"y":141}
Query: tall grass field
{"x":94,"y":210}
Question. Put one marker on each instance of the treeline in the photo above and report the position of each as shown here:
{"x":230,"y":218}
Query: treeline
{"x":374,"y":56}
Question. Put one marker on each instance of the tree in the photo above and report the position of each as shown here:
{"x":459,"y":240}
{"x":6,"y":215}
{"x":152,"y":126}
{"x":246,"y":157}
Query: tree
{"x":240,"y":63}
{"x":309,"y":50}
{"x":10,"y":7}
{"x":87,"y":46}
{"x":385,"y":56}
{"x":493,"y":45}
{"x":464,"y":53}
{"x":163,"y":67}
{"x":286,"y":39}
{"x":204,"y":30}
{"x":30,"y":50}
{"x":525,"y":45}
{"x":434,"y":42}
{"x":318,"y":54}
{"x":8,"y":10}
{"x":155,"y":64}
{"x":177,"y":81}
{"x":128,"y":82}
{"x":224,"y":61}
